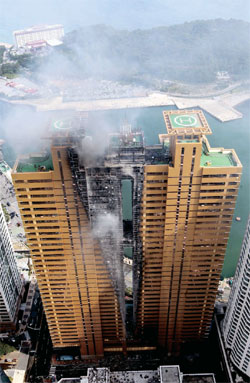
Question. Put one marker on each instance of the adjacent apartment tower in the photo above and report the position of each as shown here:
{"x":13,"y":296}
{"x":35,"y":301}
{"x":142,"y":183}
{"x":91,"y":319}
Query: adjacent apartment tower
{"x":236,"y":325}
{"x":10,"y":280}
{"x":164,"y":211}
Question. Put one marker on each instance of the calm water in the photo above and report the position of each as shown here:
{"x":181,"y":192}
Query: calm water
{"x":233,"y":134}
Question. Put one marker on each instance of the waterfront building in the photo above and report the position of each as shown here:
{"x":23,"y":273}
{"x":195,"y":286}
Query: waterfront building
{"x":236,"y":324}
{"x":187,"y":210}
{"x":79,"y":299}
{"x":38,"y":33}
{"x":168,"y":208}
{"x":10,"y":280}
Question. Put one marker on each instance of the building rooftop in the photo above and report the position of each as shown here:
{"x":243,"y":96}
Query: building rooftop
{"x":198,"y":378}
{"x":216,"y":157}
{"x":61,"y":124}
{"x":157,"y":155}
{"x":164,"y":374}
{"x":100,"y":375}
{"x":41,"y":162}
{"x":188,"y":141}
{"x":170,"y":374}
{"x":38,"y":28}
{"x":186,"y":122}
{"x":132,"y":139}
{"x":134,"y":376}
{"x":67,"y":129}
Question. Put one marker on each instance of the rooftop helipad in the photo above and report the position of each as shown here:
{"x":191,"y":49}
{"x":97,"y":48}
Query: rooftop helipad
{"x":61,"y":125}
{"x":186,"y":122}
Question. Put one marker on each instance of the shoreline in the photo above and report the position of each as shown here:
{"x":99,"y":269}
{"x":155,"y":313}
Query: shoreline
{"x":220,"y":107}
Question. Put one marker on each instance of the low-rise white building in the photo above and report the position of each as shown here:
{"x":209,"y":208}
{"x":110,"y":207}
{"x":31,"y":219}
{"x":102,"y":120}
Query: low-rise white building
{"x":37,"y":34}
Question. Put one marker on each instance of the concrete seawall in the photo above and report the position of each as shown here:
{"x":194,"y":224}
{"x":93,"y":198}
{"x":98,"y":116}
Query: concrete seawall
{"x":221,"y":107}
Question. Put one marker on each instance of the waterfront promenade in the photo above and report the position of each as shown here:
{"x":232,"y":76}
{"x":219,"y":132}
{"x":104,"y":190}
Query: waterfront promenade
{"x":221,"y":107}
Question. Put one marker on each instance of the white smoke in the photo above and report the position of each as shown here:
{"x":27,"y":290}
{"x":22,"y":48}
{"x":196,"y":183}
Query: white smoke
{"x":96,"y":142}
{"x":23,"y":128}
{"x":92,"y":147}
{"x":106,"y":229}
{"x":128,"y":170}
{"x":106,"y":224}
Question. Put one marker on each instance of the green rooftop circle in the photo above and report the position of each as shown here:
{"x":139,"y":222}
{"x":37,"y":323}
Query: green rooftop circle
{"x":60,"y":125}
{"x":185,"y":120}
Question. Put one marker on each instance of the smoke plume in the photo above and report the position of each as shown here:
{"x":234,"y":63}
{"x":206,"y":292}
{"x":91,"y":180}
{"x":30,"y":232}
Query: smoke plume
{"x":106,"y":224}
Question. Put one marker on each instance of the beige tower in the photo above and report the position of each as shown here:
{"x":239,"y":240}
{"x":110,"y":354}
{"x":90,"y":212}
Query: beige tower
{"x":183,"y":196}
{"x":187,"y":210}
{"x":79,"y":300}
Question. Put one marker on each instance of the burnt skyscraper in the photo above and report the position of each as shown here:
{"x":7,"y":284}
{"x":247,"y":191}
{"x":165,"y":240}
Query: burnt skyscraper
{"x":161,"y":215}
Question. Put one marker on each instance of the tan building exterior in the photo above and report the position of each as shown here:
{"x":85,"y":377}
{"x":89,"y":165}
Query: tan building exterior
{"x":79,"y":301}
{"x":188,"y":208}
{"x":183,"y":202}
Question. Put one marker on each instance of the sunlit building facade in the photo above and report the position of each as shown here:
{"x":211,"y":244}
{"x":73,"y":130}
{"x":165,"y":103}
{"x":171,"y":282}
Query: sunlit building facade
{"x":236,"y":325}
{"x":10,"y":279}
{"x":187,"y":210}
{"x":182,"y":196}
{"x":78,"y":297}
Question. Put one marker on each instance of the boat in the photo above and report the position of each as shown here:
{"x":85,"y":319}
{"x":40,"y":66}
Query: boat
{"x":238,"y":219}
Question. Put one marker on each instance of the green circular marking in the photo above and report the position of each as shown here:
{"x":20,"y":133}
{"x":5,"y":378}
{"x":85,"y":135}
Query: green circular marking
{"x":185,"y":120}
{"x":59,"y":124}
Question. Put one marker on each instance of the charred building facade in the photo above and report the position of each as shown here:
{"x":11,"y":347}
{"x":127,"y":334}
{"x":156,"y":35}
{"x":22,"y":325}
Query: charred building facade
{"x":146,"y":223}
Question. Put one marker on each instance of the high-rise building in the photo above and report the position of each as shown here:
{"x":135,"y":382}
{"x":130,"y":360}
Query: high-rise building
{"x":10,"y":279}
{"x":165,"y":209}
{"x":38,"y":33}
{"x":79,"y":298}
{"x":236,"y":325}
{"x":187,"y":210}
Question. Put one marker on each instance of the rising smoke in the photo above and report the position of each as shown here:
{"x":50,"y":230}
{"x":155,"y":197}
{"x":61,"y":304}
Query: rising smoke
{"x":106,"y":224}
{"x":75,"y":70}
{"x":107,"y":230}
{"x":92,"y":147}
{"x":23,"y":129}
